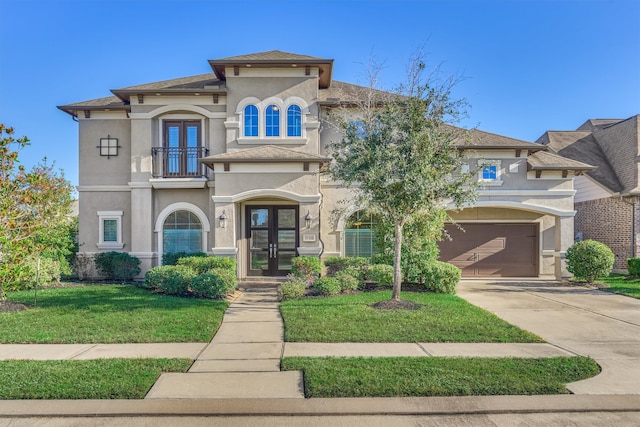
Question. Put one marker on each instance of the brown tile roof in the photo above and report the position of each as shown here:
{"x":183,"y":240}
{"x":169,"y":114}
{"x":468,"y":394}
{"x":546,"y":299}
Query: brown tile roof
{"x":543,"y":160}
{"x":267,"y":153}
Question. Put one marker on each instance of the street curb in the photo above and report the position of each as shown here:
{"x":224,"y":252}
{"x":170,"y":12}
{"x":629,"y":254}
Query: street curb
{"x":323,"y":407}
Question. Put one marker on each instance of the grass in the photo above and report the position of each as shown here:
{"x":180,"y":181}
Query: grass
{"x":109,"y":314}
{"x":83,"y":379}
{"x":349,"y":318}
{"x":619,"y":284}
{"x":438,"y":376}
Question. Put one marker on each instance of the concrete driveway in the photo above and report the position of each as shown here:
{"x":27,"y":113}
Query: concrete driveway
{"x":583,"y":321}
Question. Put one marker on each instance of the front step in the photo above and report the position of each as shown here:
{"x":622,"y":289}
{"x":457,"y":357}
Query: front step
{"x":229,"y":385}
{"x":261,"y":283}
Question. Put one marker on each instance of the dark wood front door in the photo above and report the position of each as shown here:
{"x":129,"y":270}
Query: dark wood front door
{"x":272,"y":236}
{"x":492,"y":250}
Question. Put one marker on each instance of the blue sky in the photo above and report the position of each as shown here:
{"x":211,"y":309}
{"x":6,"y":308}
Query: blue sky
{"x":529,"y":66}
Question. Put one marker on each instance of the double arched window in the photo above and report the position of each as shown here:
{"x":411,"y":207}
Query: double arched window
{"x":272,"y":121}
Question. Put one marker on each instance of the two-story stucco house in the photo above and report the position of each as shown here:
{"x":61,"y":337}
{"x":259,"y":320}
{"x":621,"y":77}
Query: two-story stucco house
{"x":607,"y":199}
{"x":228,"y":163}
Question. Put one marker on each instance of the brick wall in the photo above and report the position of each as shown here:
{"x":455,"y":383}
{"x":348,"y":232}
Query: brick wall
{"x":608,"y":221}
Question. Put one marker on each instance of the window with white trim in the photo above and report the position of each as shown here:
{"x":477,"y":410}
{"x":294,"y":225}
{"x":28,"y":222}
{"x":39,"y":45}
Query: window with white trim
{"x":491,"y":172}
{"x":182,"y":232}
{"x":110,"y":230}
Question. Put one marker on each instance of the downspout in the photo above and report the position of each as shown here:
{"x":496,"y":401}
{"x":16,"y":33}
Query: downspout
{"x":321,"y":195}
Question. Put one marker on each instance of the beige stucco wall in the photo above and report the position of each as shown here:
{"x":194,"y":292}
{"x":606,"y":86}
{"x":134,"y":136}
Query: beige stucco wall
{"x":95,"y":169}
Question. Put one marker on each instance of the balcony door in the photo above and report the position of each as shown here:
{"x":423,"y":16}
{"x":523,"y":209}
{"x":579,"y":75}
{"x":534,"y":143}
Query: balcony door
{"x":182,"y":147}
{"x":272,"y":236}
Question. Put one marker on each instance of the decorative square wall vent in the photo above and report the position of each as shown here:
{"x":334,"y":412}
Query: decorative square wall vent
{"x":108,"y":147}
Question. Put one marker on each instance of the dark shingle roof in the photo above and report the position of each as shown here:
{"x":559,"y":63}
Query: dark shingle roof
{"x":543,"y":160}
{"x":108,"y":103}
{"x":481,"y":140}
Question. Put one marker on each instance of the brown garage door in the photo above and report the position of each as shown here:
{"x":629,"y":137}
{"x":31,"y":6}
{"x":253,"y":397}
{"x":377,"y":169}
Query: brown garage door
{"x":492,"y":250}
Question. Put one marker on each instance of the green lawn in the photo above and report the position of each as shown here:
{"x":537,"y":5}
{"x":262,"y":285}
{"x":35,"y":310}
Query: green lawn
{"x":109,"y":314}
{"x":620,"y":285}
{"x":83,"y":379}
{"x":438,"y":376}
{"x":349,"y":318}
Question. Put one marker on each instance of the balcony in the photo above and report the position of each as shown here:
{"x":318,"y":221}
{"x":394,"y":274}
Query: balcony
{"x":179,"y":162}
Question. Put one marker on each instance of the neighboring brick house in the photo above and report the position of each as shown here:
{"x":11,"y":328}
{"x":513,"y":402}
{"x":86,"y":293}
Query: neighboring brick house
{"x":228,"y":163}
{"x":606,"y":198}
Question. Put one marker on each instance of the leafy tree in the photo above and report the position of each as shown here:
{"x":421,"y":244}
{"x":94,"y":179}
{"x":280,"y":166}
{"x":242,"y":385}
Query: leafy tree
{"x":401,"y":158}
{"x":34,"y":211}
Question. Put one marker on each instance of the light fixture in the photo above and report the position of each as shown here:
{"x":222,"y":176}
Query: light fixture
{"x":108,"y":147}
{"x":223,"y":219}
{"x":307,"y":219}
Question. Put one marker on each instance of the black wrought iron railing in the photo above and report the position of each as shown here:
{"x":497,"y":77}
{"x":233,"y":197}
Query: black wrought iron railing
{"x":178,"y":162}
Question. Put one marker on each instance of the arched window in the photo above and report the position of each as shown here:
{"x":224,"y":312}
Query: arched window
{"x":182,"y":232}
{"x":359,"y":237}
{"x":250,"y":120}
{"x":294,"y":125}
{"x":272,"y":118}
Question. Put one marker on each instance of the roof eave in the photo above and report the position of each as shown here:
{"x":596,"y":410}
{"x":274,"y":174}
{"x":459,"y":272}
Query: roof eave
{"x":209,"y":161}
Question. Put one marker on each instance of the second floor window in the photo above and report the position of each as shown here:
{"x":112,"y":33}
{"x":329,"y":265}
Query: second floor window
{"x":272,"y":119}
{"x":294,"y":124}
{"x":251,"y":120}
{"x":182,"y":145}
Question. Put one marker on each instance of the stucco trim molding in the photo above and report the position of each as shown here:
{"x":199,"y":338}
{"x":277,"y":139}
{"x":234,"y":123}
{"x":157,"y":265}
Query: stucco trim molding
{"x":224,"y":251}
{"x":178,"y":107}
{"x":527,"y":193}
{"x":170,"y":183}
{"x":519,"y":206}
{"x":267,"y":192}
{"x":101,"y":188}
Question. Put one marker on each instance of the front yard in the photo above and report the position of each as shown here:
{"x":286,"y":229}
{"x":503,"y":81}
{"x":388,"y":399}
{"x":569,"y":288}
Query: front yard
{"x":109,"y":314}
{"x":350,"y":318}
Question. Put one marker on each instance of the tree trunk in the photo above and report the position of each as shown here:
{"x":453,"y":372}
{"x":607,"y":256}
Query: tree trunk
{"x":397,"y":270}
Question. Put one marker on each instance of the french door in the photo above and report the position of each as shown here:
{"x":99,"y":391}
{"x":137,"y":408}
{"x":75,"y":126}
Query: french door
{"x":272,"y":236}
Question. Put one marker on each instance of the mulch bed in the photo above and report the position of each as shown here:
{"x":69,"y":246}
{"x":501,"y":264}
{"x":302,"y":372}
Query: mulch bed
{"x":6,"y":306}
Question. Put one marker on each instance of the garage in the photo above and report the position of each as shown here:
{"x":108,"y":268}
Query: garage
{"x":492,"y":250}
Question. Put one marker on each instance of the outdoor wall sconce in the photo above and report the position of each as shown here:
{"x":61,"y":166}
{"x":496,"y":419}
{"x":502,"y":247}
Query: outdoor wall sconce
{"x":223,"y":219}
{"x":307,"y":219}
{"x":108,"y":147}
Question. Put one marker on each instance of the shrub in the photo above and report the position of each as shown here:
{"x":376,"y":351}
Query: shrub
{"x":117,"y":265}
{"x":50,"y":272}
{"x":83,"y":265}
{"x":339,"y":263}
{"x":293,"y":288}
{"x":171,"y":258}
{"x":347,"y":281}
{"x":176,"y":280}
{"x":327,"y":286}
{"x":153,"y":278}
{"x":589,"y":260}
{"x":306,"y":267}
{"x":441,"y":277}
{"x":633,"y":266}
{"x":382,"y":274}
{"x":202,"y":265}
{"x":217,"y":283}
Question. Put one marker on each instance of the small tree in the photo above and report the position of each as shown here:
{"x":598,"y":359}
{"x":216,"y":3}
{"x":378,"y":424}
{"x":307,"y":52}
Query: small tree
{"x":401,"y":157}
{"x":590,"y":260}
{"x":34,"y":211}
